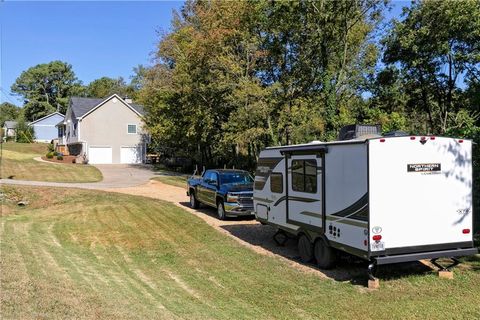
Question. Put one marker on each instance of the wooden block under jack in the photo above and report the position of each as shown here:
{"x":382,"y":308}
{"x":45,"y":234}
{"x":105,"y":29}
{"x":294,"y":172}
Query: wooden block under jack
{"x":373,"y":284}
{"x":447,"y":274}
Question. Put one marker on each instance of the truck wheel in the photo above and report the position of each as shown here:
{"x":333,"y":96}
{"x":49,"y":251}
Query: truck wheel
{"x":324,"y":254}
{"x":193,"y":200}
{"x":220,"y":210}
{"x":305,"y":248}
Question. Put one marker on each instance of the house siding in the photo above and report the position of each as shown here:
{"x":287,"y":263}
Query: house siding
{"x":45,"y":129}
{"x":107,"y":126}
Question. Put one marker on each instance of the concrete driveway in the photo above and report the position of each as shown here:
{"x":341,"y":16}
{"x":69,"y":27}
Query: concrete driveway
{"x":114,"y":176}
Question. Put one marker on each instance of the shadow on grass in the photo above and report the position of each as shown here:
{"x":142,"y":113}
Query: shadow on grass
{"x":348,"y":269}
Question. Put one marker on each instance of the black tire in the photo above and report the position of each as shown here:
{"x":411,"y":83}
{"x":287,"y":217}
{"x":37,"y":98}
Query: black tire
{"x":193,"y":200}
{"x":221,"y":210}
{"x":324,"y":254}
{"x":305,"y":248}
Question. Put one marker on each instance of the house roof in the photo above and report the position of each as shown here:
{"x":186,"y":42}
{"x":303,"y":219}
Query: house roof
{"x":81,"y":106}
{"x":46,"y":117}
{"x":10,"y":124}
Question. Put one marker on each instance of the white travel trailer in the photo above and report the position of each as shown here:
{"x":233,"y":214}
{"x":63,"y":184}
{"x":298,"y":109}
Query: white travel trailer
{"x":383,"y":199}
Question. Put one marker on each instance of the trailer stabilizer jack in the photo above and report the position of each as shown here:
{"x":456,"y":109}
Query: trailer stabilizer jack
{"x":445,"y":268}
{"x":280,"y":238}
{"x":371,"y":270}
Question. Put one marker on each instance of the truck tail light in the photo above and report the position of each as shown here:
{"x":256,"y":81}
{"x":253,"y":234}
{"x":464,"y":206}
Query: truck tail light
{"x":460,"y":141}
{"x":412,"y":138}
{"x":432,"y":138}
{"x":466,"y":231}
{"x":382,"y":140}
{"x":377,"y":237}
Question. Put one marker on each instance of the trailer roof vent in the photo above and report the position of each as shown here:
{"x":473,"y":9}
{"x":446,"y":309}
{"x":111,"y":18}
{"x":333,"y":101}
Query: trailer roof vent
{"x":356,"y":131}
{"x":315,"y":142}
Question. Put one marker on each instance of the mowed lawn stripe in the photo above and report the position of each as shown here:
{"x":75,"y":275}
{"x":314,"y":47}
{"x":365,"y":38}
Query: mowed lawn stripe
{"x":18,"y":164}
{"x":89,"y":254}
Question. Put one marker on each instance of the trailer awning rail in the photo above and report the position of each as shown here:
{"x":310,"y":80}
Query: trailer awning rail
{"x":304,"y":150}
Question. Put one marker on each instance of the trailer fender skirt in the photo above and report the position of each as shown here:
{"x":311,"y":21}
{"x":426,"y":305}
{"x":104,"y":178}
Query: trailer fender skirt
{"x":425,"y":255}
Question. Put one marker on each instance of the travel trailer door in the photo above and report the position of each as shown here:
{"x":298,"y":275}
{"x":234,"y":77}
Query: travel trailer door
{"x":304,"y":198}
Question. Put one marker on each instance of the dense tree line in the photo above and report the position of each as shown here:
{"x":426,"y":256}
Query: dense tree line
{"x":233,"y":78}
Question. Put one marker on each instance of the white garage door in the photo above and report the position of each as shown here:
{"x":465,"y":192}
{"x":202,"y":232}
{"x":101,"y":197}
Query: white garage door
{"x":131,"y":155}
{"x":99,"y":155}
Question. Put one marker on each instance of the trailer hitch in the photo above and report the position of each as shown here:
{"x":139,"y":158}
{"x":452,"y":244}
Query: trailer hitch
{"x":445,"y":268}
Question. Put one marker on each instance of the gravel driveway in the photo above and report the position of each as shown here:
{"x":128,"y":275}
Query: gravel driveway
{"x":114,"y":176}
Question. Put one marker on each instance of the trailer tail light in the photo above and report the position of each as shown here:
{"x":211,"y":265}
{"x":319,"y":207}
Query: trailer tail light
{"x":460,"y":141}
{"x":365,"y":242}
{"x":412,"y":138}
{"x":382,"y":140}
{"x":466,"y":231}
{"x":432,"y":138}
{"x":377,"y":237}
{"x":423,"y":138}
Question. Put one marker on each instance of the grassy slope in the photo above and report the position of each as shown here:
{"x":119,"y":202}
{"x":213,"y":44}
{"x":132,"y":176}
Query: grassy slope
{"x":86,"y":254}
{"x":173,"y":180}
{"x":17,"y":161}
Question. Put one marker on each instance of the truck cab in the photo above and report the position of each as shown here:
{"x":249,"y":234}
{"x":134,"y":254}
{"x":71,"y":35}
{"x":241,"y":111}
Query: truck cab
{"x":229,"y":191}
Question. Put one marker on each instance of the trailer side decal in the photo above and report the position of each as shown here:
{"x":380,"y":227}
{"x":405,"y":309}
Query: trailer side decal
{"x":292,"y":198}
{"x":356,"y":211}
{"x":264,"y":168}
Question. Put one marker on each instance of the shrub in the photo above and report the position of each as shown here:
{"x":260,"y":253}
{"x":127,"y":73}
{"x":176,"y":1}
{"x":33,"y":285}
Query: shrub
{"x":59,"y":157}
{"x":51,"y":148}
{"x":50,"y":155}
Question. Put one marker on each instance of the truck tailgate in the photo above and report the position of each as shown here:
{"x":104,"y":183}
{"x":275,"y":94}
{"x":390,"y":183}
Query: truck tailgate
{"x":420,"y":194}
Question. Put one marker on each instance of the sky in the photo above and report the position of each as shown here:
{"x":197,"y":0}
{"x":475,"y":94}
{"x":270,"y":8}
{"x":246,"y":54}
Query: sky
{"x":97,"y":38}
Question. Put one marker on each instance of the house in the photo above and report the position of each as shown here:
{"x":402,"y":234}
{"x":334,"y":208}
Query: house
{"x":9,"y":129}
{"x":45,"y":129}
{"x":103,"y":131}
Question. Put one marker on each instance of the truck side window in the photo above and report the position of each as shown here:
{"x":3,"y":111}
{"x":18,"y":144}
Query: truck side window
{"x":276,"y":182}
{"x":304,"y":176}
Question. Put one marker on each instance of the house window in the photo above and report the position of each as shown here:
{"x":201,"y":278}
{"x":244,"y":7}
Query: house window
{"x":304,"y":176}
{"x":276,"y":182}
{"x":132,"y":129}
{"x":75,"y":129}
{"x":60,"y":131}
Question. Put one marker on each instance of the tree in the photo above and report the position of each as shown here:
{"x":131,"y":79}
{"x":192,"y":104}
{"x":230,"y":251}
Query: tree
{"x":105,"y":86}
{"x":436,"y":46}
{"x":232,"y":78}
{"x":8,"y":111}
{"x":46,"y":88}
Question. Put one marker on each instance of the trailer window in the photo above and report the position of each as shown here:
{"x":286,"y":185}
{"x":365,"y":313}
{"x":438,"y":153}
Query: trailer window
{"x":304,"y":176}
{"x":276,"y":182}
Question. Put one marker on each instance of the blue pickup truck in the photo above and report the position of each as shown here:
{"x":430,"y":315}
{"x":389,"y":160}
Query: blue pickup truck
{"x":229,"y":191}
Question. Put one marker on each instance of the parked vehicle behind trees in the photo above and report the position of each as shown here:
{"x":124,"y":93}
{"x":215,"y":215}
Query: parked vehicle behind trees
{"x":229,"y":191}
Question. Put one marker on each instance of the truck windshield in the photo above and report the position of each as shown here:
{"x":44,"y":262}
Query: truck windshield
{"x":235,"y":177}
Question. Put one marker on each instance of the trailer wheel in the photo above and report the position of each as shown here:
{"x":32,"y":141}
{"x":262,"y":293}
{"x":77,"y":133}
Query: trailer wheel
{"x":193,"y":200}
{"x":305,"y":248}
{"x":324,"y":254}
{"x":220,"y":210}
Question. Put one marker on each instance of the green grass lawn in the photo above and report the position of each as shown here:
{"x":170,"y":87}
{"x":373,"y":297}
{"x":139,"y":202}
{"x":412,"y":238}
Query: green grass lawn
{"x":18,"y":164}
{"x":174,"y":180}
{"x":89,"y":254}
